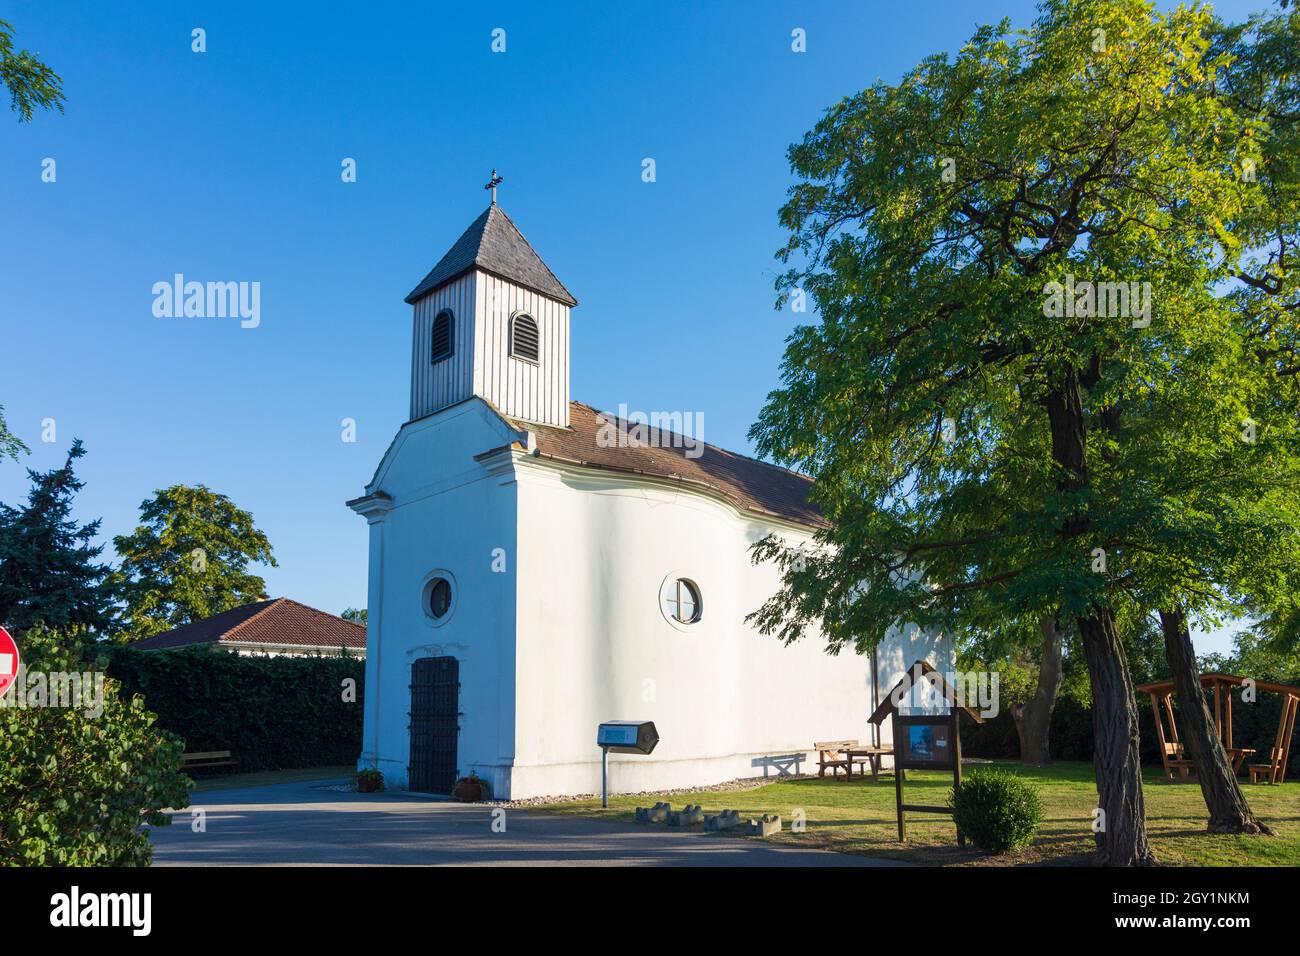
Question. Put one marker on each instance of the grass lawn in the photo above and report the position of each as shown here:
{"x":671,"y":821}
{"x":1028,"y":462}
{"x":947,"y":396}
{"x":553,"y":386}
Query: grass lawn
{"x":230,"y":781}
{"x":859,"y":817}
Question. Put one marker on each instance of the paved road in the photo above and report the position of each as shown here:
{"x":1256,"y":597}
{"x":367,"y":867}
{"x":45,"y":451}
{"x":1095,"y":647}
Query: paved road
{"x":302,"y":824}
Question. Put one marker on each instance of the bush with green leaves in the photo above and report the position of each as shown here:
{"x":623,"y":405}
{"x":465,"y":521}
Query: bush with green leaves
{"x":997,"y":810}
{"x":272,"y":713}
{"x":75,"y":787}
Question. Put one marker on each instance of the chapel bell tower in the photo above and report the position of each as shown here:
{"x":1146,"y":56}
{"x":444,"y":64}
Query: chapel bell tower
{"x":490,"y":319}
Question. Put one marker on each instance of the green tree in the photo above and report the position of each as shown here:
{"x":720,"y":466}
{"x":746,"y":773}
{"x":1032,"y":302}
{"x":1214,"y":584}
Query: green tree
{"x":1262,"y":81}
{"x":1031,"y":672}
{"x":30,"y":82}
{"x":188,"y":560}
{"x":10,"y":445}
{"x":956,"y":403}
{"x":1255,"y":656}
{"x":76,"y":785}
{"x":354,"y":615}
{"x":1210,"y":458}
{"x":1203,"y":521}
{"x":48,"y":567}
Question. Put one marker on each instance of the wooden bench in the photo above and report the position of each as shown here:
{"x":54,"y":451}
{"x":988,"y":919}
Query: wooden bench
{"x":209,"y":760}
{"x":1177,"y":766}
{"x":828,"y":755}
{"x":1275,"y":770}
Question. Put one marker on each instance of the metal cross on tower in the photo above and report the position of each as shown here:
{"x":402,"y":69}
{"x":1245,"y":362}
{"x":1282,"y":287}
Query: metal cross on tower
{"x":492,"y":184}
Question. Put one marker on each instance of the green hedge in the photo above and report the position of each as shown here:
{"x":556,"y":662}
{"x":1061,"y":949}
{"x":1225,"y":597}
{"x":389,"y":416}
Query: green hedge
{"x":272,"y":713}
{"x":1071,"y":734}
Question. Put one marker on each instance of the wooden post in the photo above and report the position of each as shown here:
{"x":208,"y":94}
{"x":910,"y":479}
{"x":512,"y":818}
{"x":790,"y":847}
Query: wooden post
{"x":1218,"y":709}
{"x":898,"y":794}
{"x":1227,"y":727}
{"x":1291,"y":705}
{"x":898,"y":782}
{"x":1279,"y":740}
{"x":1160,"y":734}
{"x":956,"y":766}
{"x":1169,"y":709}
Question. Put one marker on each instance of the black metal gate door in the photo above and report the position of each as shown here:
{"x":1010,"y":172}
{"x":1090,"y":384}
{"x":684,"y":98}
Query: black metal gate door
{"x":435,"y":705}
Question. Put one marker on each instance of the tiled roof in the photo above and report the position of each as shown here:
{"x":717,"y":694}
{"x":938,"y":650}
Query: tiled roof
{"x":275,"y":622}
{"x":750,"y":484}
{"x":494,"y":244}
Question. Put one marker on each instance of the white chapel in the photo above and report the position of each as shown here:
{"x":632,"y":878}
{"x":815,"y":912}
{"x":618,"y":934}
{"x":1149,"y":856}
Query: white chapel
{"x":529,"y":580}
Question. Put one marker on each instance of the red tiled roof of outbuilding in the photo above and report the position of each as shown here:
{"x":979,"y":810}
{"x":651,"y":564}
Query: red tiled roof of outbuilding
{"x":277,"y":622}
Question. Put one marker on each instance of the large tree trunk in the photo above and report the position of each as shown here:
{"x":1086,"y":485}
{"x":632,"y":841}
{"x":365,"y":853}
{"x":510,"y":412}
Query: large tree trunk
{"x":1122,"y":838}
{"x":1229,"y":811}
{"x":1034,"y":718}
{"x":1121,"y":834}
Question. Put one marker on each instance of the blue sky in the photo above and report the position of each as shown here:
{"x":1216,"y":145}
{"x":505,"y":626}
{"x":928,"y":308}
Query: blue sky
{"x":225,"y":165}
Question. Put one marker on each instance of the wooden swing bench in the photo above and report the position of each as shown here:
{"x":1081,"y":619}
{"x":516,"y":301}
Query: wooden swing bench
{"x":1172,"y":753}
{"x":1275,"y":769}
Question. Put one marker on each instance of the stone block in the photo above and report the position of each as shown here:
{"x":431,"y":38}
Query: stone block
{"x":723,"y":821}
{"x":687,"y":816}
{"x":656,"y":814}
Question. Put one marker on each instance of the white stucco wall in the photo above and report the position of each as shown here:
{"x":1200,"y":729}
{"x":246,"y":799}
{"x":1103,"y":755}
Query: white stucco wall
{"x":572,"y":634}
{"x":593,"y":645}
{"x":449,"y":512}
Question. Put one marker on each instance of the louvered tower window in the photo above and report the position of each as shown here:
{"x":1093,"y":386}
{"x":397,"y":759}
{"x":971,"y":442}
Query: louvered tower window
{"x":524,"y":338}
{"x":442,"y":336}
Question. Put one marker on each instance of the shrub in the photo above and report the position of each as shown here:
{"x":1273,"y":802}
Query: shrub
{"x":272,"y":713}
{"x":76,"y":782}
{"x":997,"y":810}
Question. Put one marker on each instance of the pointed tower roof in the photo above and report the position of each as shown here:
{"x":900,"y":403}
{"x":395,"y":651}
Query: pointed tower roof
{"x":494,"y":244}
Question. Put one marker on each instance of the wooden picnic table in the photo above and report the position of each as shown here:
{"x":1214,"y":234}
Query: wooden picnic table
{"x":1238,"y":756}
{"x":871,"y":757}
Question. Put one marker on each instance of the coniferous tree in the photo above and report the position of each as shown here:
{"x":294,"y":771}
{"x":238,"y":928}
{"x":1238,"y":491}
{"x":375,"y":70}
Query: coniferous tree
{"x":49,"y":568}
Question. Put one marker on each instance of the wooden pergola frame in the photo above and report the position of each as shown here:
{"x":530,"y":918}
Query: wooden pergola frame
{"x":1171,"y":748}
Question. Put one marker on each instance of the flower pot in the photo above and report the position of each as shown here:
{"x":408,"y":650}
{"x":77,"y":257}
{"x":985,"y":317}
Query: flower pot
{"x":468,"y":790}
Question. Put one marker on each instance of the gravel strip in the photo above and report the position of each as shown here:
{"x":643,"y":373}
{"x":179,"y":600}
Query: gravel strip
{"x":730,"y":786}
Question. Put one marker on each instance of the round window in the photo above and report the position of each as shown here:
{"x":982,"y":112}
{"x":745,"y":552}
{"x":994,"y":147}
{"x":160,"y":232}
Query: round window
{"x":680,"y":599}
{"x":439,"y":597}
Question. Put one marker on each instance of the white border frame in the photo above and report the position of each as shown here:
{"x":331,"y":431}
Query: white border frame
{"x":427,"y":586}
{"x":674,"y":575}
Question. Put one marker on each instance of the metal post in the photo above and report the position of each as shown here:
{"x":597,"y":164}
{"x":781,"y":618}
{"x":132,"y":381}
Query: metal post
{"x":604,"y":776}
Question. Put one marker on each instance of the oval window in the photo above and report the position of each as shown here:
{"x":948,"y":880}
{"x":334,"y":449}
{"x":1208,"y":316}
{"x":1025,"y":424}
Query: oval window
{"x":681,"y":600}
{"x":440,"y":598}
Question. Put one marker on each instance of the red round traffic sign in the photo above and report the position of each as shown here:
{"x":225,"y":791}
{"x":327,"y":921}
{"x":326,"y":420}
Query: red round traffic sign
{"x":8,"y":661}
